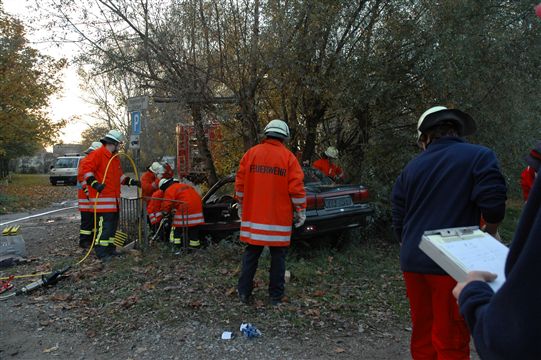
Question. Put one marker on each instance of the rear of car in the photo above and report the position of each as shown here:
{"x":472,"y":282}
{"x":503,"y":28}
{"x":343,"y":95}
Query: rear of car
{"x":332,"y":207}
{"x":64,"y":171}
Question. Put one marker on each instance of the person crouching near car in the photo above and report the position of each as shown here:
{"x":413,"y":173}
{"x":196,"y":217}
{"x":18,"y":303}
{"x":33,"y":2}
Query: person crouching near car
{"x":86,"y":208}
{"x":269,"y":187}
{"x":450,"y":184}
{"x":104,"y":192}
{"x":327,"y":164}
{"x":150,"y":180}
{"x":184,"y":204}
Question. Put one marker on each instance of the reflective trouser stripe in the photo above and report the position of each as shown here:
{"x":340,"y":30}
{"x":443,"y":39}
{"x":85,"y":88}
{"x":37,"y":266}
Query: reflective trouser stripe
{"x":194,"y":243}
{"x":174,"y":240}
{"x":85,"y":232}
{"x":102,"y":242}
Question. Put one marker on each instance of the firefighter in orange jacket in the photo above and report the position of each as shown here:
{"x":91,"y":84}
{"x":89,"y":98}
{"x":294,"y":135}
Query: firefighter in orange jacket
{"x":269,"y":187}
{"x":150,"y":179}
{"x":85,"y":207}
{"x":107,"y":202}
{"x":185,"y":202}
{"x":527,"y":177}
{"x":327,"y":166}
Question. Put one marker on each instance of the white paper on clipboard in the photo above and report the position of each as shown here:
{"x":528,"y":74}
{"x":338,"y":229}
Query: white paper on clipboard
{"x":461,"y":250}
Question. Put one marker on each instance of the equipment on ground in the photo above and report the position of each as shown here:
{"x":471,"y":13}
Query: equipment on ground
{"x":50,"y":279}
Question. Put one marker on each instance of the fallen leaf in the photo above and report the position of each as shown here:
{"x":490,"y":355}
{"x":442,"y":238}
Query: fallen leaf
{"x":91,"y":333}
{"x":313,"y":312}
{"x":259,"y":304}
{"x":149,"y":285}
{"x":224,"y":271}
{"x":319,"y":293}
{"x":231,"y":291}
{"x":61,"y":297}
{"x":129,"y":301}
{"x":196,"y":304}
{"x":339,"y":350}
{"x":54,"y":348}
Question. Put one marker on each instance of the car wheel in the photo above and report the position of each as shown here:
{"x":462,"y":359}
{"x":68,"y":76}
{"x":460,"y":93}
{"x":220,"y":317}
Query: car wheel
{"x":53,"y":183}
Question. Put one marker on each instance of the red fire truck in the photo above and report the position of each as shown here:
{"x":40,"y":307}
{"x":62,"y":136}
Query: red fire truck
{"x":190,"y":163}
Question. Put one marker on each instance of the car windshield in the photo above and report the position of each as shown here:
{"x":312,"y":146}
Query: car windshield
{"x":314,"y":176}
{"x":227,"y":189}
{"x":66,"y":163}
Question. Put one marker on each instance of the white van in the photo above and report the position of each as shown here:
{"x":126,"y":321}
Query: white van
{"x":64,"y":171}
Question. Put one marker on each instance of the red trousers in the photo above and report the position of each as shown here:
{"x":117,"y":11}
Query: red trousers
{"x":439,"y":331}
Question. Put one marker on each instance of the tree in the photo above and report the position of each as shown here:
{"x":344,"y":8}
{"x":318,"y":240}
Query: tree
{"x":27,"y":80}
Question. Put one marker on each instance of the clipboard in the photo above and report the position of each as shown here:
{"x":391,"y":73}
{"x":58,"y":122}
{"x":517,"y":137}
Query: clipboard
{"x":461,"y":250}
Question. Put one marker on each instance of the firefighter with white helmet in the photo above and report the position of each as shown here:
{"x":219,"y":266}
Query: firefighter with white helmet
{"x":269,"y":187}
{"x":183,"y":202}
{"x":85,"y":207}
{"x":450,"y":184}
{"x":327,"y":164}
{"x":106,"y":204}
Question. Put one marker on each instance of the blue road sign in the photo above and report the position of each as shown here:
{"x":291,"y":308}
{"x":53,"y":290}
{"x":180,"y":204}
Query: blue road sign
{"x":136,"y":122}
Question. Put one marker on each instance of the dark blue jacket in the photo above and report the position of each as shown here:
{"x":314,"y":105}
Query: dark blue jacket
{"x":507,"y":325}
{"x":450,"y":184}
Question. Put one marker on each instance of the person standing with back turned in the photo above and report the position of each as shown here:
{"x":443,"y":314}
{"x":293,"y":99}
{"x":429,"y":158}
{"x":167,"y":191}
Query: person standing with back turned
{"x":450,"y":184}
{"x":269,"y":186}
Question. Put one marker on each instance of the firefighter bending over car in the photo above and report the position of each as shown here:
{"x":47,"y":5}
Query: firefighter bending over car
{"x":327,"y":164}
{"x":269,"y":187}
{"x":150,"y":179}
{"x":183,"y":203}
{"x":86,"y":208}
{"x":104,"y":192}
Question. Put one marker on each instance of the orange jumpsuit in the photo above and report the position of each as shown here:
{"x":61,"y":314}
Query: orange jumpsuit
{"x":527,"y":178}
{"x":328,"y":169}
{"x":154,"y":207}
{"x":95,"y":165}
{"x":149,"y":184}
{"x":269,"y":184}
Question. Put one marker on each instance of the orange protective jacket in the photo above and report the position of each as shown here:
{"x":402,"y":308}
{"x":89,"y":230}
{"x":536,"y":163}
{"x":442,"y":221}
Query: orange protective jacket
{"x":187,"y":203}
{"x":95,"y":165}
{"x":269,"y":184}
{"x":328,"y":169}
{"x":83,"y":199}
{"x":527,"y":178}
{"x":154,"y":206}
{"x":148,"y":183}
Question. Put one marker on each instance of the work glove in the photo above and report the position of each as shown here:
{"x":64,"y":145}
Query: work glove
{"x":98,"y":186}
{"x":85,"y":190}
{"x":134,"y":182}
{"x":238,"y":206}
{"x":299,"y":218}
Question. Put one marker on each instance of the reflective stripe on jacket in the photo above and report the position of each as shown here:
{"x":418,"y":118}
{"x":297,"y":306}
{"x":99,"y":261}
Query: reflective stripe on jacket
{"x":154,"y":207}
{"x":81,"y":184}
{"x":95,"y":165}
{"x":187,"y":203}
{"x":269,"y":185}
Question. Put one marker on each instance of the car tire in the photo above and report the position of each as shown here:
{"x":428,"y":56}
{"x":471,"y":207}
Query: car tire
{"x":53,"y":183}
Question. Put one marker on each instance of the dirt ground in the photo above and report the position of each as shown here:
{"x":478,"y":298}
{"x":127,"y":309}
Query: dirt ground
{"x":68,"y":322}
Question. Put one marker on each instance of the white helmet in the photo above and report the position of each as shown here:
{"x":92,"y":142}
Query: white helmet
{"x":277,"y":128}
{"x":425,"y":114}
{"x":95,"y":145}
{"x":332,"y":152}
{"x":113,"y":137}
{"x":163,"y":182}
{"x":464,"y":123}
{"x":156,"y":168}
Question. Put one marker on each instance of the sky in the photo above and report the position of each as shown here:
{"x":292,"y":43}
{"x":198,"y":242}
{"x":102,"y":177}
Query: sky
{"x":69,"y":103}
